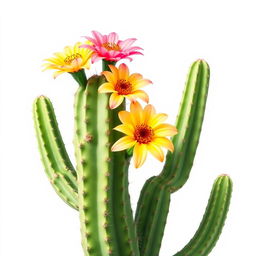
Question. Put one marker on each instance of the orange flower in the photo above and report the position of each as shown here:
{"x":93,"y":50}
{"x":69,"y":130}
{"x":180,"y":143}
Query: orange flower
{"x":123,"y":85}
{"x":144,"y":130}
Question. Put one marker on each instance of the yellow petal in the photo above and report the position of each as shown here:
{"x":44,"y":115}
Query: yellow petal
{"x":111,"y":78}
{"x":125,"y":128}
{"x":57,"y":73}
{"x":158,"y":119}
{"x":163,"y":130}
{"x":164,"y":142}
{"x":123,"y":72}
{"x":123,"y":143}
{"x":134,"y":77}
{"x":141,"y":83}
{"x":125,"y":117}
{"x":156,"y":151}
{"x":136,"y":112}
{"x":106,"y":87}
{"x":139,"y":154}
{"x":148,"y":112}
{"x":115,"y":100}
{"x":115,"y":72}
{"x":138,"y":94}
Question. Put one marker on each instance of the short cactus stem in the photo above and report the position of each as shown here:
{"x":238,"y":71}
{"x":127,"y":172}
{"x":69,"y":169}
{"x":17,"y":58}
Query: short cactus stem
{"x":105,"y":64}
{"x":80,"y":77}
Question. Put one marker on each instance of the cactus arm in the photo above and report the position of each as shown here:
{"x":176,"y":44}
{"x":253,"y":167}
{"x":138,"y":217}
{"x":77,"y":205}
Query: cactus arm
{"x":189,"y":123}
{"x":102,"y":177}
{"x":58,"y":166}
{"x":179,"y":164}
{"x":213,"y":221}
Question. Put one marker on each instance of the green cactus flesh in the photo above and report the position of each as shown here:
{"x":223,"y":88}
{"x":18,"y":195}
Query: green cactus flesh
{"x":104,"y":204}
{"x":213,"y":221}
{"x":57,"y":164}
{"x":178,"y":164}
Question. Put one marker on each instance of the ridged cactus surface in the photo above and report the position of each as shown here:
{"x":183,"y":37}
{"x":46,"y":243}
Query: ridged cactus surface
{"x":98,"y":187}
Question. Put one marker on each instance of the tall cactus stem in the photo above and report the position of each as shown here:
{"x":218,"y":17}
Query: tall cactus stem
{"x":102,"y":177}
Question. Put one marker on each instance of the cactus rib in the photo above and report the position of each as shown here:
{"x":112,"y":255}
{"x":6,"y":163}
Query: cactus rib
{"x":213,"y":221}
{"x":58,"y":166}
{"x":179,"y":164}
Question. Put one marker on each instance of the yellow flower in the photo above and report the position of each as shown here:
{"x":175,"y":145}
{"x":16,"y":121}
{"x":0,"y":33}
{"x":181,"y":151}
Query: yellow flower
{"x":72,"y":60}
{"x":123,"y":85}
{"x":144,"y":130}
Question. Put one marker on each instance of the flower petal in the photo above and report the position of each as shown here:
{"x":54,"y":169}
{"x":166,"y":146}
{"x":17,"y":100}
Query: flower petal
{"x":157,"y":119}
{"x":148,"y":112}
{"x":156,"y":151}
{"x":164,"y":142}
{"x":98,"y":36}
{"x":123,"y":143}
{"x":134,"y":77}
{"x":141,"y":83}
{"x":126,"y":129}
{"x":138,"y":94}
{"x":139,"y":154}
{"x":110,"y":77}
{"x":106,"y":87}
{"x":125,"y":117}
{"x":123,"y":71}
{"x":136,"y":112}
{"x":115,"y":71}
{"x":115,"y":100}
{"x":163,"y":130}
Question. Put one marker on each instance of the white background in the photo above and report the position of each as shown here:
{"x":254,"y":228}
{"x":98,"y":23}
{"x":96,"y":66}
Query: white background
{"x":34,"y":221}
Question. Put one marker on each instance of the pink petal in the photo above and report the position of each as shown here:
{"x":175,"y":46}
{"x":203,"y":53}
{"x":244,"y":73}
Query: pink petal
{"x":98,"y":36}
{"x":113,"y":38}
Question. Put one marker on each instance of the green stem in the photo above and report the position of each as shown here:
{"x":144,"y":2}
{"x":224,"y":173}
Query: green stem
{"x":80,"y":77}
{"x":105,"y":64}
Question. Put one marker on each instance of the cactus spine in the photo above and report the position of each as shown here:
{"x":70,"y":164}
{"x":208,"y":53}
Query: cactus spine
{"x":98,"y":187}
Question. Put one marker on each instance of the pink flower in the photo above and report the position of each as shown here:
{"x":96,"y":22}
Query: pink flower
{"x":110,"y":48}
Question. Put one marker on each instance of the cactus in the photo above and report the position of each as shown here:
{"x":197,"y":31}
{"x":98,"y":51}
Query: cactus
{"x":98,"y":186}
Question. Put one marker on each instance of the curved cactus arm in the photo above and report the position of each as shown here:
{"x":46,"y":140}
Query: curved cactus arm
{"x":58,"y":166}
{"x":189,"y":123}
{"x":213,"y":221}
{"x":179,"y":164}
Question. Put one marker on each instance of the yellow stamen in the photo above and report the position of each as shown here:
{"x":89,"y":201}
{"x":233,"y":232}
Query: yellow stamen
{"x":72,"y":57}
{"x":143,"y":134}
{"x":123,"y":87}
{"x":111,"y":46}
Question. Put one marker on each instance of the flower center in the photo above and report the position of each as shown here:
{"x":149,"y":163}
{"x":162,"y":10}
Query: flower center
{"x":143,"y":134}
{"x":72,"y":57}
{"x":111,"y":46}
{"x":123,"y":87}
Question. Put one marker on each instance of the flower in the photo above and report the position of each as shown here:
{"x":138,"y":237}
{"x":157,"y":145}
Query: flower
{"x":144,"y":130}
{"x":122,"y":85}
{"x":110,"y":48}
{"x":73,"y":59}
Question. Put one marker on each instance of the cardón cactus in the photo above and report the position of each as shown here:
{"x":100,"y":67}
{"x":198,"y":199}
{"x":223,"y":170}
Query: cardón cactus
{"x":98,"y":186}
